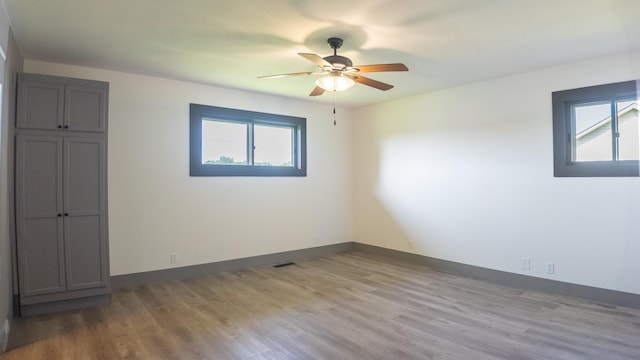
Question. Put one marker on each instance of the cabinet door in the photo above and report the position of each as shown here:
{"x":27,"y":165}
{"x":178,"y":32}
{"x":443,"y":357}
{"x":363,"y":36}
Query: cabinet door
{"x":39,"y":215}
{"x":85,"y":212}
{"x":85,"y":108}
{"x":40,"y":104}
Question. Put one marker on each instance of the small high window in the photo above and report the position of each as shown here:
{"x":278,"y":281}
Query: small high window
{"x":231,"y":142}
{"x":595,"y":131}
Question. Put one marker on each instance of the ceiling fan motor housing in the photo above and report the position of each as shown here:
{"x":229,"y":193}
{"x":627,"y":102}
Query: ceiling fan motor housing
{"x":338,"y":60}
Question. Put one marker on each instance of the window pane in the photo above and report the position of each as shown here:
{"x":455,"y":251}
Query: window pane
{"x":629,"y":131}
{"x":592,"y":135}
{"x":273,"y":145}
{"x":224,"y":143}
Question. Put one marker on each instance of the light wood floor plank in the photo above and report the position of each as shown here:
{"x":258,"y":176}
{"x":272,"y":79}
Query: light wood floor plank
{"x":345,"y":306}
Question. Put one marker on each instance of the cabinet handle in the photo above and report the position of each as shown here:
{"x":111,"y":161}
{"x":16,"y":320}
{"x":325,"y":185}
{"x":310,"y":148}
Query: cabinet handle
{"x":66,"y":214}
{"x":59,"y":126}
{"x":59,"y":215}
{"x":66,"y":126}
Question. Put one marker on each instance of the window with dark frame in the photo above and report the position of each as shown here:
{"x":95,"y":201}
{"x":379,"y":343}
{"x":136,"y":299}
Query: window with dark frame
{"x":232,"y":142}
{"x":595,"y":131}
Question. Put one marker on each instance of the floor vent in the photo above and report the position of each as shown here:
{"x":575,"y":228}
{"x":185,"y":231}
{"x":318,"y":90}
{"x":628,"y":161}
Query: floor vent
{"x":284,"y":264}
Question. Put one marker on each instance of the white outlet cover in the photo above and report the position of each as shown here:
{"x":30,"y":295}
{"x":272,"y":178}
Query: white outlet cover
{"x":551,"y":268}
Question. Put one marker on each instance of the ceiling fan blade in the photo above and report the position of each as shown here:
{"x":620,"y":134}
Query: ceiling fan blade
{"x":316,"y":59}
{"x":370,"y":82}
{"x":317,"y":91}
{"x":284,"y":75}
{"x":382,"y":67}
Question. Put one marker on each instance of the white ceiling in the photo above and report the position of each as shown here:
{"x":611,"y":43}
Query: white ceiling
{"x":230,"y":43}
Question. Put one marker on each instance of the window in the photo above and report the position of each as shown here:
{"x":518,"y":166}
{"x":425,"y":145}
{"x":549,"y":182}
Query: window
{"x":231,"y":142}
{"x":595,"y":131}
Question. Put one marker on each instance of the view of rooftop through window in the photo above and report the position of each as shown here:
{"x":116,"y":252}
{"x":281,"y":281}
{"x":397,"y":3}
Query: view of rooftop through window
{"x":597,"y":138}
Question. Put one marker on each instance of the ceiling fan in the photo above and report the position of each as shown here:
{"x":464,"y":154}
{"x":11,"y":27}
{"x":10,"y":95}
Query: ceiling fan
{"x":339,"y":72}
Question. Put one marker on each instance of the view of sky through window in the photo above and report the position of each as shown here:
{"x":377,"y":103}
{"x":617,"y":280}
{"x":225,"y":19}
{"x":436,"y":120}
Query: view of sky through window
{"x":588,"y":115}
{"x":273,"y":145}
{"x":225,"y":143}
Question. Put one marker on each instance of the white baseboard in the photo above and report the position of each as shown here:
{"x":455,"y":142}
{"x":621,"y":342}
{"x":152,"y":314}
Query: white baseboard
{"x":4,"y":336}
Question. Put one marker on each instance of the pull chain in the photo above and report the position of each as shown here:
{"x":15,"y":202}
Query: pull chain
{"x":334,"y":108}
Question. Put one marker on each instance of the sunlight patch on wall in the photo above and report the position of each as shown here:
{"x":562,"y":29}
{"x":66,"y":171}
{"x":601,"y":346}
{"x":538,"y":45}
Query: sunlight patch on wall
{"x":410,"y":185}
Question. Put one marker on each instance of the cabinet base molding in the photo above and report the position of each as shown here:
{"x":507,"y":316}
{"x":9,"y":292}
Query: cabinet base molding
{"x":65,"y":305}
{"x":4,"y":336}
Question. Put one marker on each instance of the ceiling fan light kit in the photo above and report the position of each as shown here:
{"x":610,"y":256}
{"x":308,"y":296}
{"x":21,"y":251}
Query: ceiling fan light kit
{"x":339,"y":72}
{"x":335,"y":83}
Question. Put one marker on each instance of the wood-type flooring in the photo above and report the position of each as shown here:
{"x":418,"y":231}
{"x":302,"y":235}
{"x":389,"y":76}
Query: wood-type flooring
{"x":351,"y":305}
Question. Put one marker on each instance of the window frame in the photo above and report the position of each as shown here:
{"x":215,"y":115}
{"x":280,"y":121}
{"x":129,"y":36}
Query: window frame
{"x":563,"y":101}
{"x":198,"y":112}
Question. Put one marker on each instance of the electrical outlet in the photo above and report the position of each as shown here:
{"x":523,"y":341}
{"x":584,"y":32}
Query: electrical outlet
{"x":174,"y":258}
{"x":551,"y":268}
{"x":526,"y":264}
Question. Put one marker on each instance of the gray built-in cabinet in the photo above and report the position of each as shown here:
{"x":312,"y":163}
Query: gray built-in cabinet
{"x":61,"y":193}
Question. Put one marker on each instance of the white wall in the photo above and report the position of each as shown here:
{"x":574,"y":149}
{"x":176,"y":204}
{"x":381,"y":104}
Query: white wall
{"x":466,"y":174}
{"x":155,"y":208}
{"x":463,"y":174}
